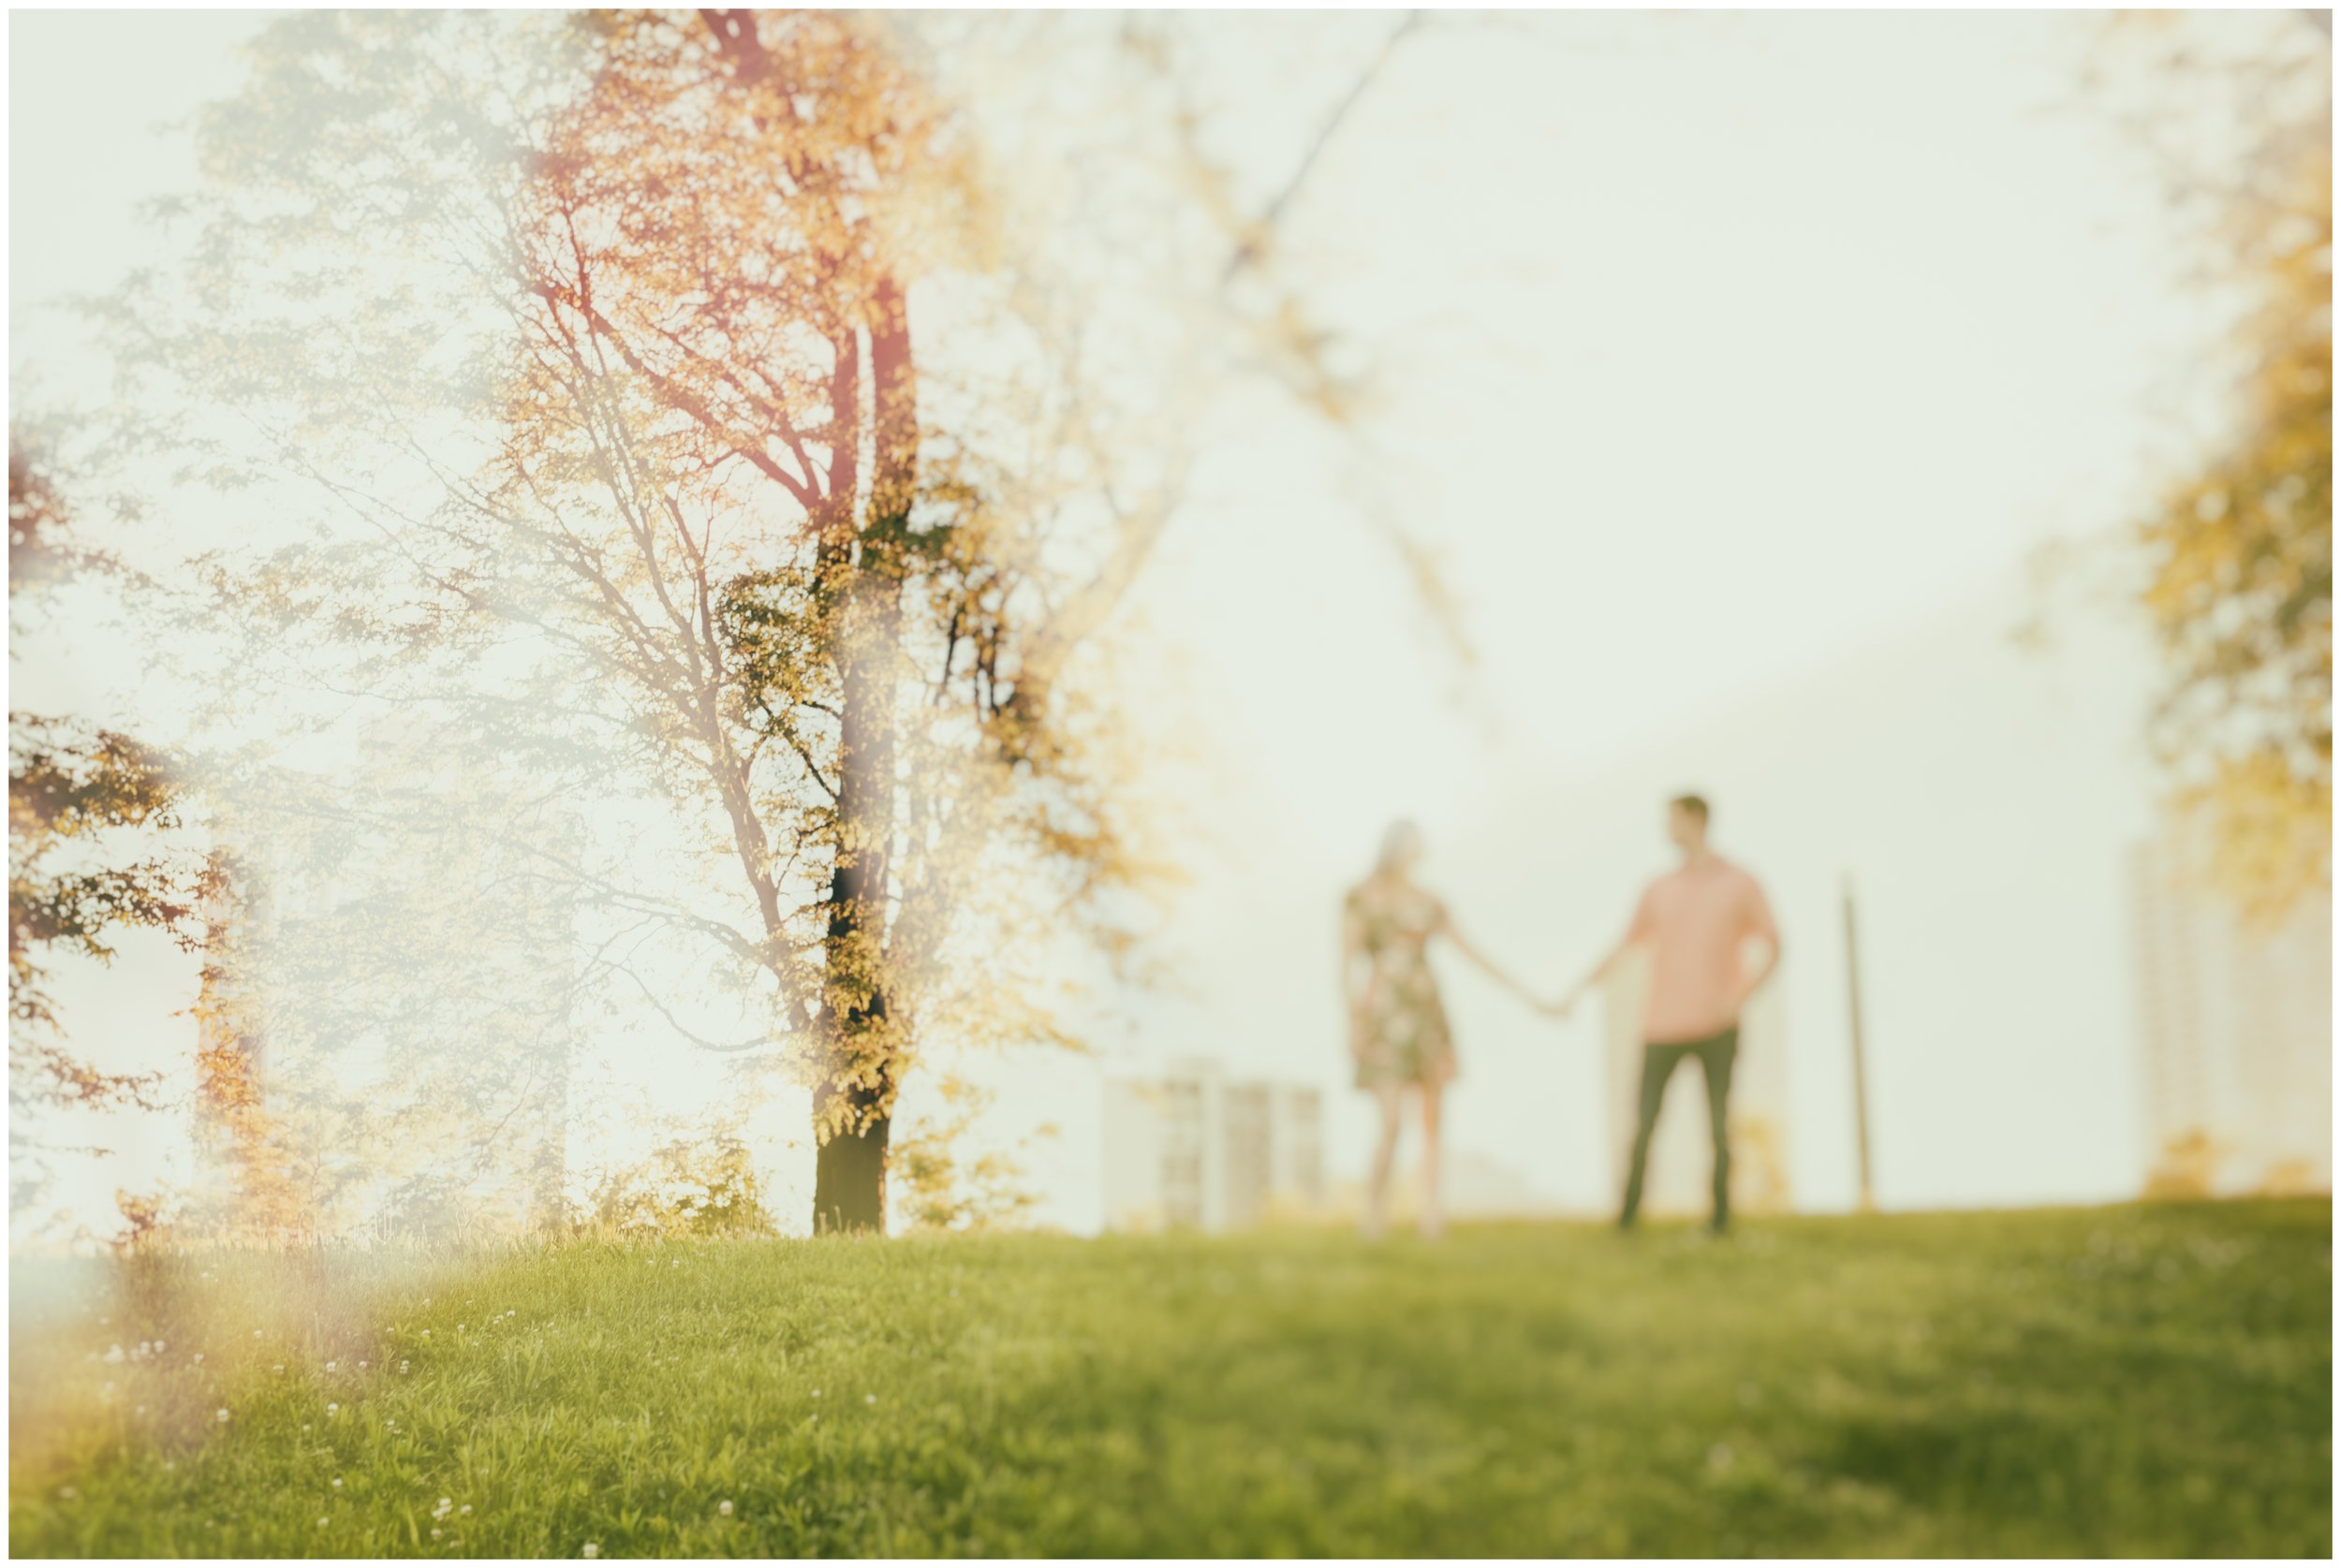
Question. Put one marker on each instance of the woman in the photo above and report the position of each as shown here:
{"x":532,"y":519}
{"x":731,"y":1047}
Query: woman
{"x":1398,"y":1031}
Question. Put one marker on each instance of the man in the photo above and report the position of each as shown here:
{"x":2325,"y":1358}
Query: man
{"x":1696,"y":920}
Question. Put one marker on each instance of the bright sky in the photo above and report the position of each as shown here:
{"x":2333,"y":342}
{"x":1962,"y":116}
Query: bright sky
{"x":1714,"y":349}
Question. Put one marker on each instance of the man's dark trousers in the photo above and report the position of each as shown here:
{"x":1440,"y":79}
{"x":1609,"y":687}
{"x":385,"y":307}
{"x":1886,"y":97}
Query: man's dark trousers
{"x":1716,"y":1055}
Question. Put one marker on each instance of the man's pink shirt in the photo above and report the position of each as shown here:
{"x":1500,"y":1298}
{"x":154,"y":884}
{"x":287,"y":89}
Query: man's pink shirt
{"x":1696,"y":920}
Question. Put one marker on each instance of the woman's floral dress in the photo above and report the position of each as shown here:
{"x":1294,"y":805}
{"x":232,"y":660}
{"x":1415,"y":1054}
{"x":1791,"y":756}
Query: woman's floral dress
{"x":1400,"y":1034}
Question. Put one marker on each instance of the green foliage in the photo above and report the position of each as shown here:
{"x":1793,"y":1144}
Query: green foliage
{"x":2138,"y":1379}
{"x":942,"y":1186}
{"x":700,"y":1186}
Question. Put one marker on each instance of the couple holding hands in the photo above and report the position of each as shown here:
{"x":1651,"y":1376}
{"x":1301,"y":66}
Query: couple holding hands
{"x":1694,"y":921}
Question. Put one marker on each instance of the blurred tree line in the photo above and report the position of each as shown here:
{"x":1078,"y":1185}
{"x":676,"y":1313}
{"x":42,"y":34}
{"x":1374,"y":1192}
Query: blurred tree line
{"x":2241,"y":550}
{"x":690,"y":474}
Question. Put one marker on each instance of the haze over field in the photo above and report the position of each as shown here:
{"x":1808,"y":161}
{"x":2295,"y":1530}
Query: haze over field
{"x":1733,"y":370}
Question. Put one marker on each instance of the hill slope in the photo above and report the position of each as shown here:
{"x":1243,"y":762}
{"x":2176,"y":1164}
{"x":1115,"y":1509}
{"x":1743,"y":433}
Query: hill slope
{"x":2133,"y":1380}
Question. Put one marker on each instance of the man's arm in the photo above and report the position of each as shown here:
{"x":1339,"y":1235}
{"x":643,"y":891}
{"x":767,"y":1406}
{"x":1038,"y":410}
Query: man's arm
{"x":1762,"y":925}
{"x":1593,"y":976}
{"x":1637,"y":931}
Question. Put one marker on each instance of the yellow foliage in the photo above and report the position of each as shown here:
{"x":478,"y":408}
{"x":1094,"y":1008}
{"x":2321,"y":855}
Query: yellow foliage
{"x":2294,"y":1178}
{"x":942,"y":1186}
{"x":2242,"y":586}
{"x":2186,"y":1167}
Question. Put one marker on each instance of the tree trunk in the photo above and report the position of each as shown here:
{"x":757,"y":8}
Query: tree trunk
{"x":849,"y":1179}
{"x":549,"y":1170}
{"x":853,"y":1111}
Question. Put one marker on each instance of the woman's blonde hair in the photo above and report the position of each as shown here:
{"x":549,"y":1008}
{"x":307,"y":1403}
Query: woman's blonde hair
{"x":1403,"y":842}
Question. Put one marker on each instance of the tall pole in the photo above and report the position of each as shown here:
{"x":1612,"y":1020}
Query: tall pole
{"x":1861,"y":1076}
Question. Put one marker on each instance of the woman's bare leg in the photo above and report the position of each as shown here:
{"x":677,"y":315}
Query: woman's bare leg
{"x":1385,"y":1154}
{"x":1433,"y":1218}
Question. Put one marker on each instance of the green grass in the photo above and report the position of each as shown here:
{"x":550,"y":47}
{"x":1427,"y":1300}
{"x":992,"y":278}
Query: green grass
{"x":2102,"y":1382}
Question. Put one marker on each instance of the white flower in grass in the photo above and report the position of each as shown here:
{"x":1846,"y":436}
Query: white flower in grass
{"x":592,"y":1549}
{"x":447,"y":1506}
{"x":255,"y":1333}
{"x":464,"y":1510}
{"x":199,"y":1358}
{"x":223,"y":1418}
{"x":869,"y":1399}
{"x":278,"y":1368}
{"x":332,"y":1366}
{"x":361,"y":1367}
{"x":724,"y":1508}
{"x":816,"y":1393}
{"x":333,"y":1410}
{"x":113,"y":1356}
{"x":426,"y":1333}
{"x":69,"y":1493}
{"x":160,"y":1347}
{"x":435,"y":1535}
{"x":401,"y":1366}
{"x":337,"y":1483}
{"x":324,"y":1521}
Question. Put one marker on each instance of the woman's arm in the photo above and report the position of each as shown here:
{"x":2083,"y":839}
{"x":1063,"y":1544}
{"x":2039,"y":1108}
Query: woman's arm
{"x":1448,"y":926}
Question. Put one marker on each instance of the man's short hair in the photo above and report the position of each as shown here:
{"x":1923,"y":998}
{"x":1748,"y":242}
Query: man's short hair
{"x":1695,"y":804}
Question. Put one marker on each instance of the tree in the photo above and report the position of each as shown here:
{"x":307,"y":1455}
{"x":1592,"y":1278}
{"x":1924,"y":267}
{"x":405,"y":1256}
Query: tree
{"x":707,"y":440}
{"x":729,"y":532}
{"x":949,"y":1187}
{"x":2241,"y":553}
{"x":93,"y":847}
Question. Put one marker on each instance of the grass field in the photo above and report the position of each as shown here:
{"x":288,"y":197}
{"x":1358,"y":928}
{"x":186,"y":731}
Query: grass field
{"x":2115,"y":1380}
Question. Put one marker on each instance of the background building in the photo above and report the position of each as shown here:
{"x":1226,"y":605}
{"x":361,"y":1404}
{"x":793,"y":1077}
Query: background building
{"x":386,"y":1034}
{"x":1191,"y":1150}
{"x":2235,"y":1035}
